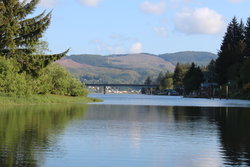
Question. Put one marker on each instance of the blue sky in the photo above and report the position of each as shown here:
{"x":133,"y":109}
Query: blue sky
{"x":133,"y":26}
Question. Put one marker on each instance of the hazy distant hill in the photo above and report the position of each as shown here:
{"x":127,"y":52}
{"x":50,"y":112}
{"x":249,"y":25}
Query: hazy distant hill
{"x":128,"y":68}
{"x":200,"y":58}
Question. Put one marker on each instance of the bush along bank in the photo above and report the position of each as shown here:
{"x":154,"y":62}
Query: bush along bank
{"x":52,"y":80}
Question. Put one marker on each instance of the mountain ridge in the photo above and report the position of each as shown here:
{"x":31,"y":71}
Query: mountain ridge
{"x":132,"y":68}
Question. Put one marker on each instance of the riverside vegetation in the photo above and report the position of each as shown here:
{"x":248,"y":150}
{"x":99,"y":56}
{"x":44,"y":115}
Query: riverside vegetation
{"x":231,"y":69}
{"x":27,"y":74}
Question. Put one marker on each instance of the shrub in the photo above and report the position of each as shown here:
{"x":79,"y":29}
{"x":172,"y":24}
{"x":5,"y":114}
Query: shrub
{"x":60,"y":82}
{"x":11,"y":82}
{"x":51,"y":80}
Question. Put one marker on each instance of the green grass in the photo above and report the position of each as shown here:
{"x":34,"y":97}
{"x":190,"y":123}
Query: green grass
{"x":44,"y":99}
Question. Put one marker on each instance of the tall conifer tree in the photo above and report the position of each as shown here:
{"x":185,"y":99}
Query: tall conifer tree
{"x":247,"y":38}
{"x":193,"y":79}
{"x":178,"y":76}
{"x":19,"y":35}
{"x":231,"y":52}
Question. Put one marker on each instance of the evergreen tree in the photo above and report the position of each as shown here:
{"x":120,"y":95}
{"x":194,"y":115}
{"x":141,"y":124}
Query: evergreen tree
{"x":193,"y":79}
{"x":210,"y":74}
{"x":148,"y":81}
{"x":247,"y":38}
{"x":231,"y":52}
{"x":19,"y":35}
{"x":178,"y":76}
{"x":1,"y":15}
{"x":245,"y":71}
{"x":159,"y":78}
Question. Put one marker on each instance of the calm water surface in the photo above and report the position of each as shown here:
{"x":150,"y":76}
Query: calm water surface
{"x":128,"y":131}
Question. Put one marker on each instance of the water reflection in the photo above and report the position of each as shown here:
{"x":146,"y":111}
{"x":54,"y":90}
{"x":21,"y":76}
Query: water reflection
{"x":27,"y":133}
{"x":124,"y":135}
{"x":234,"y":128}
{"x":220,"y":135}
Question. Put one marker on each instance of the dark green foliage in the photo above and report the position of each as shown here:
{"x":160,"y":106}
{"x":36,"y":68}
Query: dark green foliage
{"x":19,"y":35}
{"x":32,"y":64}
{"x":245,"y":71}
{"x":232,"y":65}
{"x":231,"y":53}
{"x":178,"y":76}
{"x":21,"y":72}
{"x":148,"y":81}
{"x":247,"y":38}
{"x":210,"y":73}
{"x":193,"y":79}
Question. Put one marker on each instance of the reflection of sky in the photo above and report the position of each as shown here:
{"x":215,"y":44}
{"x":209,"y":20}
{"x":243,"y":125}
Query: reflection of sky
{"x":168,"y":101}
{"x":139,"y":136}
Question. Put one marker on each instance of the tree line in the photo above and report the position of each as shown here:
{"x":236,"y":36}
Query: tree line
{"x":231,"y":68}
{"x":23,"y":69}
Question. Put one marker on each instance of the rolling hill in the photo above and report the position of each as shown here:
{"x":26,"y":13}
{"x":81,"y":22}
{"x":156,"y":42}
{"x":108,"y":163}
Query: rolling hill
{"x":128,"y":68}
{"x":199,"y":58}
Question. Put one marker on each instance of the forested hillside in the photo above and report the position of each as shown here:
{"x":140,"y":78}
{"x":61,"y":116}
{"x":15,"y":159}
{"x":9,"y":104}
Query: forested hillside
{"x":128,"y":68}
{"x":199,"y":58}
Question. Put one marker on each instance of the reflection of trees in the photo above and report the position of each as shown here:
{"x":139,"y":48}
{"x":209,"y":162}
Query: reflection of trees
{"x":234,"y":124}
{"x":193,"y":114}
{"x":233,"y":127}
{"x":25,"y":130}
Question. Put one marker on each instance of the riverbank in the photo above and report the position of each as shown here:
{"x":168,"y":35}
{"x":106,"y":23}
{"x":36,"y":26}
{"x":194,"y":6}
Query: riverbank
{"x":44,"y":99}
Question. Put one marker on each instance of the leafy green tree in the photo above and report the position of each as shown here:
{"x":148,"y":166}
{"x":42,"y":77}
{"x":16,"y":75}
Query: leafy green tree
{"x":167,"y":82}
{"x":12,"y":83}
{"x":61,"y":82}
{"x":231,"y":52}
{"x":193,"y":79}
{"x":19,"y":35}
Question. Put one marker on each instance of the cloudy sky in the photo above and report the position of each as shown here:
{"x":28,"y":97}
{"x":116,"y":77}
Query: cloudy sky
{"x":133,"y":26}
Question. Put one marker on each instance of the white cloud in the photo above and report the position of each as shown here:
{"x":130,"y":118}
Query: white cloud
{"x":199,"y":21}
{"x":136,"y":48}
{"x":236,"y":1}
{"x":160,"y":31}
{"x":91,"y":3}
{"x":153,"y":8}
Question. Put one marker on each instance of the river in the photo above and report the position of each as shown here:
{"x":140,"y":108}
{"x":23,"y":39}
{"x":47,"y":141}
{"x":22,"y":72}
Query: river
{"x":127,"y":131}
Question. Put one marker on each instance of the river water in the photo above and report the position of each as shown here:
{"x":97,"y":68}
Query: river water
{"x":127,"y":131}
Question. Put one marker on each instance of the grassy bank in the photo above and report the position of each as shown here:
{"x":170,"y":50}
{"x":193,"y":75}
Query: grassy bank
{"x":44,"y":99}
